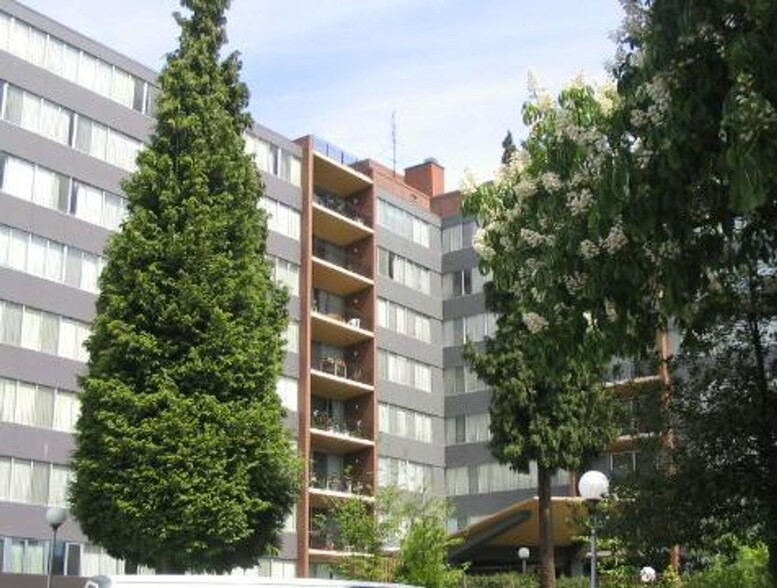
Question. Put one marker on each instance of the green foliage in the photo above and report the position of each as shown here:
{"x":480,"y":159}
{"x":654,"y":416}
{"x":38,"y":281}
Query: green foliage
{"x":513,"y":580}
{"x":748,"y":569}
{"x":698,"y":83}
{"x":557,"y":282}
{"x":413,"y":523}
{"x":182,"y":459}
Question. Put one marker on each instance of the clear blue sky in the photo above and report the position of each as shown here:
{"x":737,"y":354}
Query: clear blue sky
{"x":453,"y":70}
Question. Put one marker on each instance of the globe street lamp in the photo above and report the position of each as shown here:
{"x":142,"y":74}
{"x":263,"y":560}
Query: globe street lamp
{"x":523,"y":554}
{"x":647,"y":575}
{"x":55,"y":516}
{"x":593,"y":486}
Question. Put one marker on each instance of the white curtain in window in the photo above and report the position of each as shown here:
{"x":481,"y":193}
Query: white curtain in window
{"x":67,"y":339}
{"x":122,"y":88}
{"x":24,"y":413}
{"x":31,"y":323}
{"x":65,"y":411}
{"x":5,"y":243}
{"x":89,"y":273}
{"x":39,"y":486}
{"x":36,"y":256}
{"x":55,"y":254}
{"x":44,"y":404}
{"x":11,"y":323}
{"x":17,"y":178}
{"x":102,"y":81}
{"x":89,"y":202}
{"x":87,"y":71}
{"x":21,"y":481}
{"x":54,"y":122}
{"x":5,"y":30}
{"x":46,"y":189}
{"x":5,"y":478}
{"x":31,"y":113}
{"x":7,"y":398}
{"x":36,"y":47}
{"x":17,"y":250}
{"x":114,"y":208}
{"x":20,"y":34}
{"x":70,"y":60}
{"x":53,"y":59}
{"x":60,"y":477}
{"x":35,"y":557}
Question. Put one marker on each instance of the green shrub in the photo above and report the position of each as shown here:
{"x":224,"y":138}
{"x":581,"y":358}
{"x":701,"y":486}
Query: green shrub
{"x":749,"y":570}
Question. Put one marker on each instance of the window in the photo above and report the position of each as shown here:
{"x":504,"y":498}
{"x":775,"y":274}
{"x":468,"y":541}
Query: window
{"x":54,"y":122}
{"x":31,"y":482}
{"x":292,"y":336}
{"x":403,"y":223}
{"x":469,"y":328}
{"x":461,"y":380}
{"x":462,"y":283}
{"x":288,"y":390}
{"x":406,"y":321}
{"x":49,"y":189}
{"x":405,"y":423}
{"x":273,"y":160}
{"x":470,"y":428}
{"x":281,"y":218}
{"x":286,"y":273}
{"x":403,"y":271}
{"x":66,"y":61}
{"x":42,"y":331}
{"x":404,"y":474}
{"x":403,"y":370}
{"x":36,"y":405}
{"x":47,"y":259}
{"x":458,"y":236}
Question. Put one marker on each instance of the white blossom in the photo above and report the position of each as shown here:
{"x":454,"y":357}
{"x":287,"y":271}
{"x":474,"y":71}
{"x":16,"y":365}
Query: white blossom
{"x":551,"y":181}
{"x":534,"y":322}
{"x":535,"y":239}
{"x":469,"y":183}
{"x":579,"y":203}
{"x":480,"y":244}
{"x":589,"y":249}
{"x":616,"y":239}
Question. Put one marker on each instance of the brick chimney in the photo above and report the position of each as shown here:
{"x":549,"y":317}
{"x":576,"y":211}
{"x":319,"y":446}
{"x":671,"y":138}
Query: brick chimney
{"x":428,"y":177}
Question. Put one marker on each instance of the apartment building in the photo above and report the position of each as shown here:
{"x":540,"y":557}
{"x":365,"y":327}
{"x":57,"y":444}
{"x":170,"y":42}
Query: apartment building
{"x":384,"y":291}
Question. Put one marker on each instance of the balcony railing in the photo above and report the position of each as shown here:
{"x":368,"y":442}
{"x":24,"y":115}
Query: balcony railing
{"x":333,"y":152}
{"x":341,"y":482}
{"x":326,"y":422}
{"x":338,"y":366}
{"x":339,"y":256}
{"x":349,"y":316}
{"x":339,"y":205}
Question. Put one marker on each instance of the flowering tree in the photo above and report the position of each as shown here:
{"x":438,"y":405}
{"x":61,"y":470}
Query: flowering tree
{"x":564,"y":272}
{"x":698,"y":82}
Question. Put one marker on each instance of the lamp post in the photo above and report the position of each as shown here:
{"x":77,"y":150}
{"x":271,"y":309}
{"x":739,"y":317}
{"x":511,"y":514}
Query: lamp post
{"x":523,"y":554}
{"x":55,"y":516}
{"x":593,"y":486}
{"x":647,"y":575}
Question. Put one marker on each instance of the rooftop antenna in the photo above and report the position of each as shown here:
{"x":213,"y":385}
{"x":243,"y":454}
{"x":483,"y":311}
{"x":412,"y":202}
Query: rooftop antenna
{"x":394,"y":141}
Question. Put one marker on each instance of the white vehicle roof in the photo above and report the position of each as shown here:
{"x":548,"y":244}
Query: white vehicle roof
{"x":165,"y":581}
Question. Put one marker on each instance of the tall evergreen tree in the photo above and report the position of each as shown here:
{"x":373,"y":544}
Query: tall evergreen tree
{"x":508,"y":148}
{"x":182,"y":458}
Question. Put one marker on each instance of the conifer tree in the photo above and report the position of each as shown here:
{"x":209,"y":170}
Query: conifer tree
{"x":182,"y":459}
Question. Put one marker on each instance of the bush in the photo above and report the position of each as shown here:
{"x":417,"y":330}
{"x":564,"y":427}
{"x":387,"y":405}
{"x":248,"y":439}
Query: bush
{"x":749,"y":570}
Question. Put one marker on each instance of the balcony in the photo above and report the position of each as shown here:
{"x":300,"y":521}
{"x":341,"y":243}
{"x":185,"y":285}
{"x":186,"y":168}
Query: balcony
{"x":341,"y":330}
{"x":330,"y":378}
{"x":338,"y":435}
{"x":338,"y":486}
{"x":337,"y":278}
{"x":331,"y":171}
{"x":337,"y":228}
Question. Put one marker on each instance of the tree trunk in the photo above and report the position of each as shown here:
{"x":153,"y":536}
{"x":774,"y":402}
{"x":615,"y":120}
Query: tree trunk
{"x":547,"y":559}
{"x":165,"y":566}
